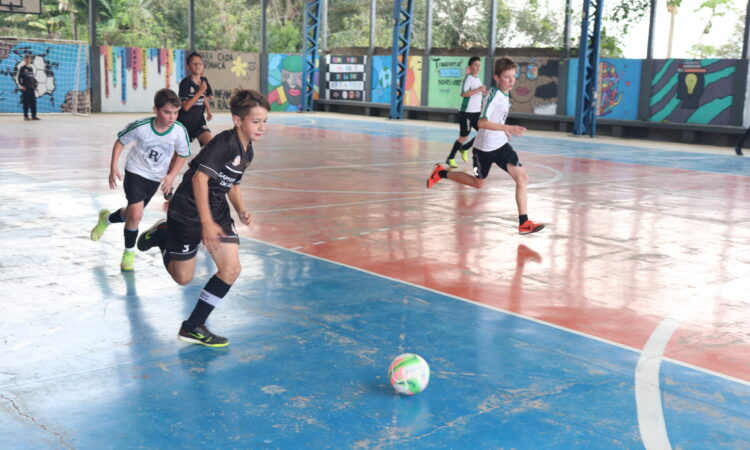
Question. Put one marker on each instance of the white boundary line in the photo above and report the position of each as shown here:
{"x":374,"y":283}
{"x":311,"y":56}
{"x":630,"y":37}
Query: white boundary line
{"x":494,"y":308}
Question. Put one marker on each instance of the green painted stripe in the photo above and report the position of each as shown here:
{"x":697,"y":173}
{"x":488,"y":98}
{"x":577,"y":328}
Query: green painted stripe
{"x":716,"y":76}
{"x":655,"y":80}
{"x":657,"y":97}
{"x":708,"y":111}
{"x":666,"y":111}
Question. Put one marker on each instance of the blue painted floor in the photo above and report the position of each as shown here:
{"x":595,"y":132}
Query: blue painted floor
{"x":90,"y":358}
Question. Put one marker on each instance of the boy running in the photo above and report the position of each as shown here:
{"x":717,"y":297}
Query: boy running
{"x":199,"y":211}
{"x":491,"y":145}
{"x":156,"y":140}
{"x":472,"y":90}
{"x":194,"y":92}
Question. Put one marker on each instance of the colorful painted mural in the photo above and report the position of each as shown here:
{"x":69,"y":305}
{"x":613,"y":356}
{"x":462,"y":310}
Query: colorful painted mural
{"x":130,"y":76}
{"x":536,"y":85}
{"x":285,"y":81}
{"x":445,"y":77}
{"x":692,"y":91}
{"x":382,"y":76}
{"x":617,"y":91}
{"x":60,"y":71}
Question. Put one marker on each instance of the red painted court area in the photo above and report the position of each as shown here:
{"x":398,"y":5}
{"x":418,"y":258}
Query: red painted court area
{"x":628,"y":247}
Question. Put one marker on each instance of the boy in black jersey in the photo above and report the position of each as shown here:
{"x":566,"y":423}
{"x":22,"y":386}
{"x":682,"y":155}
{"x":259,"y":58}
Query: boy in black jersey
{"x":194,"y":93}
{"x":27,"y":82}
{"x":199,"y":211}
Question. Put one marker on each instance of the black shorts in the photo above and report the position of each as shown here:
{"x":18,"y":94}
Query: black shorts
{"x":467,"y":121}
{"x":183,"y":238}
{"x":196,"y":127}
{"x":139,"y":189}
{"x":502,"y":157}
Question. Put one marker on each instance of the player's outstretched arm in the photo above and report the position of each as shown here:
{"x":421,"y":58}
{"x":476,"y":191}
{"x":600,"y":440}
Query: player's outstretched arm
{"x":174,"y":169}
{"x":114,"y":170}
{"x":235,"y":196}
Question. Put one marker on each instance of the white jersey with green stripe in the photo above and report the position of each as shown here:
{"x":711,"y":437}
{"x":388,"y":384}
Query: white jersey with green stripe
{"x":153,"y":151}
{"x":495,"y":108}
{"x":471,"y":104}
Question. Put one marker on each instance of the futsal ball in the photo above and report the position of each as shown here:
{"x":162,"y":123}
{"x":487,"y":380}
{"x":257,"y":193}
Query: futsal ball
{"x":409,"y":374}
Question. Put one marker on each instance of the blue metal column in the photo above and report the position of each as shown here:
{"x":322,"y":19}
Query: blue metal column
{"x":588,"y":68}
{"x":311,"y":32}
{"x":400,"y":55}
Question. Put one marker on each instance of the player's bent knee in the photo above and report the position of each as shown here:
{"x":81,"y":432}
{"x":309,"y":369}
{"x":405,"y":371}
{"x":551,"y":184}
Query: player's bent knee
{"x":478,"y":183}
{"x":182,"y":278}
{"x":230,"y":274}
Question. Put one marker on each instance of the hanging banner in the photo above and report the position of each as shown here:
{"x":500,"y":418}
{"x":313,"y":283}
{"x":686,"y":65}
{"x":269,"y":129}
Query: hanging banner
{"x":345,"y":77}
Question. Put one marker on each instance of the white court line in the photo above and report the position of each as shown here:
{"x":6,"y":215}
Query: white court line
{"x":343,"y":166}
{"x":334,"y":205}
{"x":511,"y":313}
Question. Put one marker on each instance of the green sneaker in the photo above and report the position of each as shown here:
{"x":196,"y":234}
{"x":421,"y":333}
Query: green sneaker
{"x":101,"y":226}
{"x":452,"y":163}
{"x":128,"y":261}
{"x":465,"y":155}
{"x":201,"y":335}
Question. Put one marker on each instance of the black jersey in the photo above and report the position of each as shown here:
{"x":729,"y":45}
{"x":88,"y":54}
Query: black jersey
{"x":188,"y":88}
{"x":26,"y":77}
{"x":224,"y":161}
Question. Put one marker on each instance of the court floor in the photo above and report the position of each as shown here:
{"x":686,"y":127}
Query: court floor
{"x":625,"y":323}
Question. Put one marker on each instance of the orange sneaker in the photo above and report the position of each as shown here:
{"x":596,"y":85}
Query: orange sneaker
{"x":434,"y":176}
{"x":529,"y":227}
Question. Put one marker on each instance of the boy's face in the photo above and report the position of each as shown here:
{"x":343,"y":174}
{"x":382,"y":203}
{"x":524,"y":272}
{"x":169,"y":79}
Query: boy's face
{"x":253,"y":125}
{"x":474,"y":67}
{"x":166,"y":115}
{"x":27,"y":59}
{"x":506,"y":79}
{"x":195,"y":65}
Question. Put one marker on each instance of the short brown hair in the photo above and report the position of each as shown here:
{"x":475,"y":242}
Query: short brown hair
{"x":503,"y":64}
{"x":243,"y":100}
{"x":166,"y":96}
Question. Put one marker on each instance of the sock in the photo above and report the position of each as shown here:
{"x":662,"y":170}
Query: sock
{"x":523,"y":218}
{"x":443,"y":173}
{"x":130,"y":237}
{"x":116,"y":217}
{"x":468,"y":145}
{"x":456,"y":146}
{"x":210,"y":296}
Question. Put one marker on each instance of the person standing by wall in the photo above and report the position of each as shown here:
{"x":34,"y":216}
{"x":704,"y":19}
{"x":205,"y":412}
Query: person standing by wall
{"x":26,"y":80}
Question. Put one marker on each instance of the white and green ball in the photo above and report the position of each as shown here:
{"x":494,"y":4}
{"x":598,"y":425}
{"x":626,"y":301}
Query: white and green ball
{"x":409,"y":374}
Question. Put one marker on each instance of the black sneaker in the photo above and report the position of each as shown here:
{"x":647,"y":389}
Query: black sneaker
{"x":201,"y":335}
{"x":144,"y":240}
{"x":738,"y":150}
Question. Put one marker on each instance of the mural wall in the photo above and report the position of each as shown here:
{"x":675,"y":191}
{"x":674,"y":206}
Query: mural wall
{"x":345,"y":77}
{"x":285,"y":81}
{"x":617,"y":91}
{"x":445,"y":77}
{"x":692,"y":91}
{"x":227,"y":71}
{"x":60,"y":71}
{"x":536,"y":85}
{"x":382,"y":75}
{"x":130,"y":76}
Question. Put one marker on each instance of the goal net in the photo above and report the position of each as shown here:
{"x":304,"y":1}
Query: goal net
{"x":61,"y":73}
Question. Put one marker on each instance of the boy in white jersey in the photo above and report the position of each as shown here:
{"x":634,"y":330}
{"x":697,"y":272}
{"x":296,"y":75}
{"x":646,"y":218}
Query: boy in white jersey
{"x":491,"y":145}
{"x":472,"y":90}
{"x":157,"y":140}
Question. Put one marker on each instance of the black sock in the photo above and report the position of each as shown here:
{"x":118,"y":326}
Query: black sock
{"x":116,"y":217}
{"x":130,"y":237}
{"x":210,"y":296}
{"x":468,"y":145}
{"x":456,"y":146}
{"x":443,"y":173}
{"x":522,"y":219}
